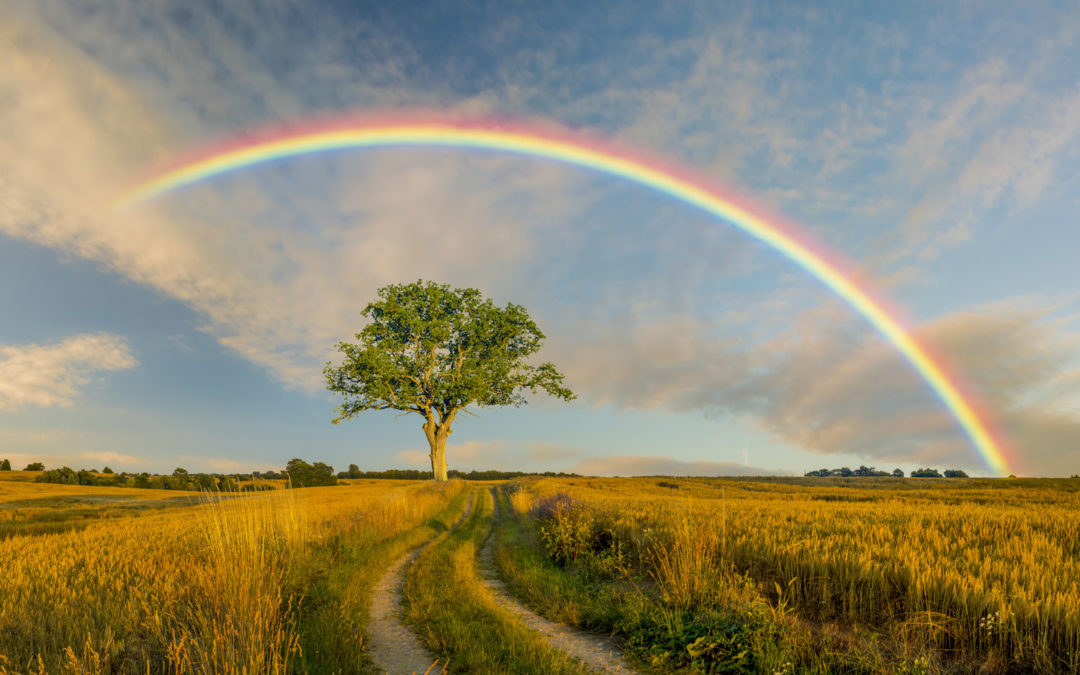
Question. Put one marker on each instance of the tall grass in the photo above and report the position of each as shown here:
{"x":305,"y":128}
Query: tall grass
{"x":216,"y":588}
{"x":979,"y":572}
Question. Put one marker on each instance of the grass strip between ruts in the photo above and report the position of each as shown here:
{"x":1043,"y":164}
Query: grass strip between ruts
{"x":452,"y":611}
{"x":345,"y":570}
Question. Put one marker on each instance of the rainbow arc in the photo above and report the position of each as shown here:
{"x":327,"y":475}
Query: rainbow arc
{"x":561,"y":146}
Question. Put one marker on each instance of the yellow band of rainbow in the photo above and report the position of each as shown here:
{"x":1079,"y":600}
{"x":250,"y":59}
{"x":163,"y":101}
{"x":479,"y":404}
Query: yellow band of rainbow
{"x":564,"y":147}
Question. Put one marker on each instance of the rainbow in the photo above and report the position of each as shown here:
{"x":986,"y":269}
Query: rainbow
{"x":576,"y":150}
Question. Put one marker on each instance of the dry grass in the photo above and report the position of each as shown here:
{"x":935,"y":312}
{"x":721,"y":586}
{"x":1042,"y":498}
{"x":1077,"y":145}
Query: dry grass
{"x":964,"y":568}
{"x":215,"y":588}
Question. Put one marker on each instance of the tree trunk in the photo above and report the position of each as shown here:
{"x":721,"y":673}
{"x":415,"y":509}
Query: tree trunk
{"x":438,"y":456}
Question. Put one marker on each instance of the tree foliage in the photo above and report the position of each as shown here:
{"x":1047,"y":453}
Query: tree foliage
{"x":925,"y":473}
{"x":302,"y":474}
{"x":5,"y":465}
{"x":434,"y":351}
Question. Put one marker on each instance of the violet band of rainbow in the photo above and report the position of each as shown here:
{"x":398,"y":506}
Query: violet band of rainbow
{"x":566,"y":148}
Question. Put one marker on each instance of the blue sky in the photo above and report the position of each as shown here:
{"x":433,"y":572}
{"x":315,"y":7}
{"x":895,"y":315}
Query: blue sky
{"x":936,"y":146}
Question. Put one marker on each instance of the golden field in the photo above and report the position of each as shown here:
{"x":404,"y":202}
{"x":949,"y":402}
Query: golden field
{"x":969,"y":569}
{"x":99,"y":580}
{"x":199,"y":586}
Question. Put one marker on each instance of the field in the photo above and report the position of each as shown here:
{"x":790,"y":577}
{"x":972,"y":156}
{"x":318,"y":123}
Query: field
{"x":824,"y":575}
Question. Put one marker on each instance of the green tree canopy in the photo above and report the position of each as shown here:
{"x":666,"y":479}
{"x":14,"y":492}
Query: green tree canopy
{"x":434,"y":351}
{"x":5,"y":465}
{"x":302,"y":474}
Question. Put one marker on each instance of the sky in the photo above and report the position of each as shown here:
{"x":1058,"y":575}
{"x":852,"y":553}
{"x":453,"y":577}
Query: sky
{"x":933,"y":146}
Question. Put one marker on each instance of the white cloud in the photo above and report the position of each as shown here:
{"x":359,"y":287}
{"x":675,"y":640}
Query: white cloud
{"x":277,"y":294}
{"x":493,"y":454}
{"x":86,"y":459}
{"x":54,"y":374}
{"x":195,"y":463}
{"x":634,"y":465}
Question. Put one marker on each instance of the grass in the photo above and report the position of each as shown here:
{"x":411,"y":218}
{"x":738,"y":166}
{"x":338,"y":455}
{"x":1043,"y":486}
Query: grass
{"x":692,"y":575}
{"x":972,"y":576}
{"x":345,"y":569}
{"x":229,"y":586}
{"x":457,"y":617}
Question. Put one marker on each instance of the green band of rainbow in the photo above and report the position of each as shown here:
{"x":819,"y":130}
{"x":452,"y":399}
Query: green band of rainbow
{"x":588,"y":154}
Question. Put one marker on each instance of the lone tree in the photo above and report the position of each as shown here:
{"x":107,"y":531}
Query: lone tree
{"x":434,"y":351}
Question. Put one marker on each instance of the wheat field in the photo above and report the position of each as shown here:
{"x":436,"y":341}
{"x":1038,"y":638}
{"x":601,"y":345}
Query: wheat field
{"x":206,"y":585}
{"x":987,"y":570}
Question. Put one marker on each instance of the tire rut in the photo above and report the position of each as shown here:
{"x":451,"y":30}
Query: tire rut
{"x":393,"y":646}
{"x":598,"y":652}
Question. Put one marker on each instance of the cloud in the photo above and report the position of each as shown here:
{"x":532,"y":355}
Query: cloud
{"x":53,"y":374}
{"x":828,"y":385}
{"x":494,"y":454}
{"x":86,"y":459}
{"x":633,"y":465}
{"x":223,"y":465}
{"x":277,"y":280}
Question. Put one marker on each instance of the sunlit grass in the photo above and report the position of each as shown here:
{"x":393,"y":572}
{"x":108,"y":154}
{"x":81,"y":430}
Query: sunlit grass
{"x":928,"y":565}
{"x":218,"y":587}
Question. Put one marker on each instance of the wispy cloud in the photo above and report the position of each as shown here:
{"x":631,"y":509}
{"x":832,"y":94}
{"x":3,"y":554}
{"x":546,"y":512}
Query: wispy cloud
{"x":831,"y":387}
{"x":223,"y":465}
{"x":495,"y":454}
{"x":53,"y":374}
{"x":87,"y":459}
{"x":634,"y":465}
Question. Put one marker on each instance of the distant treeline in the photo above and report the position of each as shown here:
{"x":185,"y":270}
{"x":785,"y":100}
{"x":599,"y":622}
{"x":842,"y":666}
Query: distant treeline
{"x":297,"y":473}
{"x":179,"y":479}
{"x":417,"y":474}
{"x":5,"y":465}
{"x":871,"y":471}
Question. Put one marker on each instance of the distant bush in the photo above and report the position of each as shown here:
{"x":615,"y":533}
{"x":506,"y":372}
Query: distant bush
{"x":845,"y":472}
{"x":955,"y":473}
{"x":5,"y":465}
{"x":302,"y":474}
{"x":665,"y":484}
{"x":34,"y":466}
{"x":925,"y":473}
{"x":69,"y":476}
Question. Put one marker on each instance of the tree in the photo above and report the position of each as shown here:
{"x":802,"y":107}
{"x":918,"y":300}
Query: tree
{"x":107,"y":470}
{"x":302,"y":474}
{"x":435,"y":351}
{"x":227,"y":484}
{"x":955,"y":473}
{"x":204,"y":482}
{"x":925,"y":473}
{"x":34,"y":466}
{"x":899,"y":473}
{"x":5,"y":465}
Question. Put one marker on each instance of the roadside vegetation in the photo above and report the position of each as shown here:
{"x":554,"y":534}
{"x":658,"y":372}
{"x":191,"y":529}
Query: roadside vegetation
{"x":265,"y":583}
{"x":786,"y":576}
{"x":783,"y":575}
{"x":451,"y":611}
